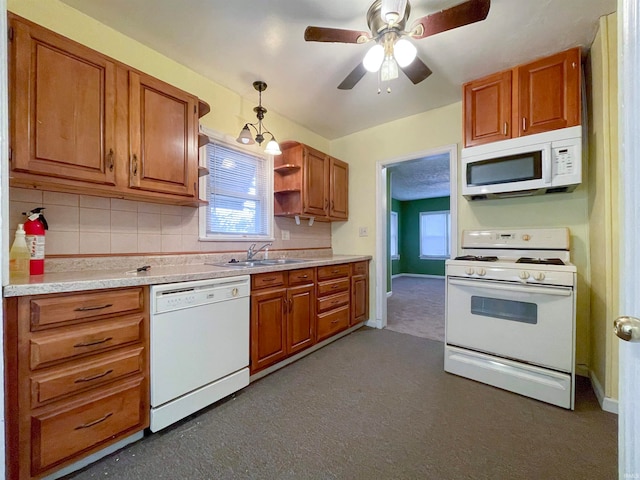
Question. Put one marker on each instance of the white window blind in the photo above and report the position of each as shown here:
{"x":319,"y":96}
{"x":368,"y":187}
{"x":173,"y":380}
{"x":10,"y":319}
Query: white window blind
{"x":238,"y":191}
{"x":394,"y":236}
{"x":434,"y":234}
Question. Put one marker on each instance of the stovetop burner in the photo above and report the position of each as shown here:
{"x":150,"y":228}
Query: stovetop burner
{"x":540,"y":261}
{"x":477,"y":258}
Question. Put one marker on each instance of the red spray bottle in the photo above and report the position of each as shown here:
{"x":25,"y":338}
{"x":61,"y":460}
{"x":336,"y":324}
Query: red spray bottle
{"x":34,"y":229}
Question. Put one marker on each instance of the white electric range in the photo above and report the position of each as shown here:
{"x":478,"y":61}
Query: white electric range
{"x":510,"y":317}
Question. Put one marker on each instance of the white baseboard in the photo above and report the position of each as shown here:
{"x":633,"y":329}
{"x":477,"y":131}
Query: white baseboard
{"x":389,"y":294}
{"x":377,"y":323}
{"x":606,"y":403}
{"x":417,"y":275}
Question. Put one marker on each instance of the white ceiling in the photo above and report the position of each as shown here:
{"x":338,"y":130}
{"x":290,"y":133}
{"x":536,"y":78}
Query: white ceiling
{"x":420,"y":178}
{"x":236,"y":42}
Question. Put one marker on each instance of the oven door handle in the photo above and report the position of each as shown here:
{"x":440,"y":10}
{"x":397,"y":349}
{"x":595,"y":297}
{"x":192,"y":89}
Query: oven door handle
{"x":557,"y":291}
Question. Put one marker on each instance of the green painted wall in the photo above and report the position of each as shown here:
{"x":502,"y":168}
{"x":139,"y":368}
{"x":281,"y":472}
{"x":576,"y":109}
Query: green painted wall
{"x":396,"y":206}
{"x":409,"y":236}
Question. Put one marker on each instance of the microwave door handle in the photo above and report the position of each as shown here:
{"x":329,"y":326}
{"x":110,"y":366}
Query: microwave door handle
{"x":489,"y":285}
{"x":547,"y":166}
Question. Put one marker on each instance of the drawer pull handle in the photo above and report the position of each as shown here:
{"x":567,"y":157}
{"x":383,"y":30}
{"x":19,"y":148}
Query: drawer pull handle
{"x":270,"y":279}
{"x":95,"y":422}
{"x":334,"y":321}
{"x":304,"y":276}
{"x":335,"y":271}
{"x":94,"y":307}
{"x":94,"y":377}
{"x":89,"y":344}
{"x":335,"y":301}
{"x":335,"y":286}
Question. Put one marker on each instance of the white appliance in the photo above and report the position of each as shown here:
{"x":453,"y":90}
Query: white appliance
{"x":534,"y":164}
{"x":199,"y":345}
{"x":510,"y":316}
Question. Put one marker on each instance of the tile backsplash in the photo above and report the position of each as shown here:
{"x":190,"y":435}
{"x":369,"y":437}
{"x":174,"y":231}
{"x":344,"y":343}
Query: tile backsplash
{"x":85,"y":225}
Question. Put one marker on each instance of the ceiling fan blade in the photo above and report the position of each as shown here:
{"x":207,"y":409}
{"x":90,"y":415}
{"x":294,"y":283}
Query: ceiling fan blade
{"x":322,"y":34}
{"x":354,"y":77}
{"x":465,"y":13}
{"x":417,"y":71}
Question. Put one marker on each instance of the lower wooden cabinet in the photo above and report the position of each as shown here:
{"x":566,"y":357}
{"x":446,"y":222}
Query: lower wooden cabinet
{"x":291,"y":311}
{"x":282,"y":315}
{"x":77,"y":375}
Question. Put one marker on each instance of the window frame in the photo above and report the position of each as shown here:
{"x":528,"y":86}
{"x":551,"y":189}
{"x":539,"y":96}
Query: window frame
{"x":394,"y":215}
{"x":448,"y":235}
{"x":204,"y":195}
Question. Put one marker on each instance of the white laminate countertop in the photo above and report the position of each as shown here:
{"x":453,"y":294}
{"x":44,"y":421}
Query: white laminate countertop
{"x":60,"y":282}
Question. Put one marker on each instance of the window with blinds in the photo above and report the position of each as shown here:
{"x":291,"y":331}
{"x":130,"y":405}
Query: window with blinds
{"x":239,"y":192}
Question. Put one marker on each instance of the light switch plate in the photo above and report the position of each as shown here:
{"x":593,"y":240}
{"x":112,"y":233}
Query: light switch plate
{"x":286,"y":234}
{"x":364,"y":232}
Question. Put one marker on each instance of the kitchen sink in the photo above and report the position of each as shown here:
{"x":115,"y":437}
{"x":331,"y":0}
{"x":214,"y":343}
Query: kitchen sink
{"x":258,"y":263}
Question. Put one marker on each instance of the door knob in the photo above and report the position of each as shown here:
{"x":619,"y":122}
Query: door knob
{"x":627,"y":328}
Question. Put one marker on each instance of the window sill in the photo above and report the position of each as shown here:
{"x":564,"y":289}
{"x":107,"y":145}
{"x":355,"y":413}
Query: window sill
{"x":424,"y":257}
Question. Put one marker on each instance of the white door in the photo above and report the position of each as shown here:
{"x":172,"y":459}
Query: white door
{"x":629,"y":392}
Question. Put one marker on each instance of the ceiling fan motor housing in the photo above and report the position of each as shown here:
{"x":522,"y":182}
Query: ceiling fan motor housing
{"x":378,"y":25}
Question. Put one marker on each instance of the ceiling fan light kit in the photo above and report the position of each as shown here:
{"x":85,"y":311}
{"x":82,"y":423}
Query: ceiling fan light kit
{"x":387,"y":20}
{"x":246,"y":138}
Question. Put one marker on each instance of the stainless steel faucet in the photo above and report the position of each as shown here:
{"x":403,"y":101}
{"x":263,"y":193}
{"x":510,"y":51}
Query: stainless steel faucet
{"x":252,"y":253}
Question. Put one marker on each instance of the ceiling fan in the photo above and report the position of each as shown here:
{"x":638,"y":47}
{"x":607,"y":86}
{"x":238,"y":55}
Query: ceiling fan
{"x":387,"y":20}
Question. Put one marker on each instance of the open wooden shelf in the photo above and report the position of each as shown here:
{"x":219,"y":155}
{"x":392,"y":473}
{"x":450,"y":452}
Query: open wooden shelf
{"x":286,"y":169}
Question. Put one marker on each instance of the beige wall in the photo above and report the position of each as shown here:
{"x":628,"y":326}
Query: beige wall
{"x":603,"y":206}
{"x":116,"y":226}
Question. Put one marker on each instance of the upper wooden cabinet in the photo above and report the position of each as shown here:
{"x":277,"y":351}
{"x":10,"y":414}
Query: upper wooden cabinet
{"x":63,"y":99}
{"x":310,"y":183}
{"x":84,"y":123}
{"x":536,"y":97}
{"x":162,"y":122}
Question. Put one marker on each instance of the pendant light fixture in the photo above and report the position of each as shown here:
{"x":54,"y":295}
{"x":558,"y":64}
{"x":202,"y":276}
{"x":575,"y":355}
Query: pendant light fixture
{"x":246,"y":137}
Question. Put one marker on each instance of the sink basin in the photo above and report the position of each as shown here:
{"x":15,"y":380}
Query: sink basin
{"x":280,"y":261}
{"x":258,"y":263}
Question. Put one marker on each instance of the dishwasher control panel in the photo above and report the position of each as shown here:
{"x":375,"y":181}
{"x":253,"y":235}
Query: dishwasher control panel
{"x":167,"y":298}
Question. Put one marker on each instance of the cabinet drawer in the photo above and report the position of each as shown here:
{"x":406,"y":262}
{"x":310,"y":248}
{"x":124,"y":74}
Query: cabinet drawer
{"x":59,"y":434}
{"x":359,"y":268}
{"x":333,"y":301}
{"x":56,"y":310}
{"x":69,"y":342}
{"x":105,"y":368}
{"x":332,"y":322}
{"x":333,"y":271}
{"x":333,"y":286}
{"x":264,"y":280}
{"x":301,"y":276}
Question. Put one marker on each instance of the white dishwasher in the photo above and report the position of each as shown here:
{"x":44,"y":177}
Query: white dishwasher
{"x":199,"y":345}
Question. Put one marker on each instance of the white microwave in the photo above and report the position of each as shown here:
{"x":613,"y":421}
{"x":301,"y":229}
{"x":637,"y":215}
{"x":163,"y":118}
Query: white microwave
{"x":546,"y":162}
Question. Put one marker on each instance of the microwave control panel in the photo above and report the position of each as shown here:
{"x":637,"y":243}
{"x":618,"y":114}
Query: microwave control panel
{"x":563,"y":160}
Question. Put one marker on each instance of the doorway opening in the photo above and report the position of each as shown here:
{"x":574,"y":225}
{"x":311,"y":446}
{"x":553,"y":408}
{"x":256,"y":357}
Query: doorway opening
{"x":417,"y":231}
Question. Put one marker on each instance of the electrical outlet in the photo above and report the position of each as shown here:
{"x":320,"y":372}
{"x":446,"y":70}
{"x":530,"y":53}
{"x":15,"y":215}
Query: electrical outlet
{"x":364,"y":232}
{"x":286,"y":234}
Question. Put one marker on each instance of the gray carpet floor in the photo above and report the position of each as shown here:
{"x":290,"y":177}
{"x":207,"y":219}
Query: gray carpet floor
{"x":417,"y":307}
{"x":375,"y":404}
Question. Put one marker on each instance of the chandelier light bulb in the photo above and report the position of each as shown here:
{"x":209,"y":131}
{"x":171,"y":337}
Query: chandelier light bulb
{"x":405,"y":52}
{"x":272,"y":147}
{"x":374,"y":57}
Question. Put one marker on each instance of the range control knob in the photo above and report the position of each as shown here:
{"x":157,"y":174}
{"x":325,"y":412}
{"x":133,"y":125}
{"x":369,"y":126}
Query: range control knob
{"x":482,"y":272}
{"x":539,"y":276}
{"x":524,"y":275}
{"x":526,"y":237}
{"x":469,"y":271}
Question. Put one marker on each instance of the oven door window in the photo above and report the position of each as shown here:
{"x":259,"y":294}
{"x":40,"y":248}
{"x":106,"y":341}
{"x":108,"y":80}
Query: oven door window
{"x":513,"y":168}
{"x":516,"y":311}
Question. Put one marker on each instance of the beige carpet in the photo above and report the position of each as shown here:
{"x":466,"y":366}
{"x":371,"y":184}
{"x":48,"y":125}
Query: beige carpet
{"x":417,"y":307}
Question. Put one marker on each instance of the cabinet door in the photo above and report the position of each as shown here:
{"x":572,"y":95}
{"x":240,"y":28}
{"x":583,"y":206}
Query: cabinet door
{"x":338,"y":189}
{"x":487,"y":109}
{"x":549,"y":93}
{"x":164,"y":135}
{"x":63,"y":107}
{"x":359,"y":299}
{"x":316,"y":183}
{"x":268,"y":328}
{"x":301,"y":316}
